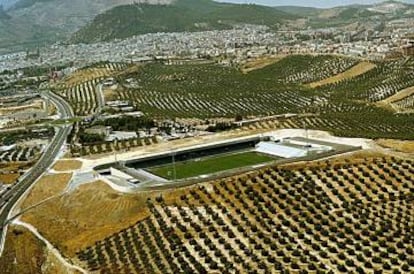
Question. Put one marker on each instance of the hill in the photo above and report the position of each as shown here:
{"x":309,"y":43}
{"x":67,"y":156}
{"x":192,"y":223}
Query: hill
{"x":36,"y":22}
{"x":3,"y":14}
{"x":182,"y":15}
{"x":374,"y":14}
{"x":300,"y":11}
{"x":7,"y":3}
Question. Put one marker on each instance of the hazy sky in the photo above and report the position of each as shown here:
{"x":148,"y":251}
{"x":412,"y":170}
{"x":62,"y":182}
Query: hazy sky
{"x":308,"y":3}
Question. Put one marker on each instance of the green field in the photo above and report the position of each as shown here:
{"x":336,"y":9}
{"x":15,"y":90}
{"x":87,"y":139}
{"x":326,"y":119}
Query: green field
{"x":210,"y":165}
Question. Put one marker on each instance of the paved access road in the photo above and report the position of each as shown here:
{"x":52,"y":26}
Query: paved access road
{"x":12,"y":196}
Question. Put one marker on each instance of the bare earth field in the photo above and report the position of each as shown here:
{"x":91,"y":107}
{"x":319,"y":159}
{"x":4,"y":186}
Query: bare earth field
{"x":48,"y":186}
{"x":67,"y":165}
{"x":398,"y":145}
{"x":9,"y":172}
{"x":260,"y":63}
{"x":90,"y":213}
{"x":355,"y":71}
{"x":389,"y":102}
{"x":86,"y":75}
{"x":398,"y":96}
{"x":23,"y":253}
{"x":36,"y":105}
{"x":8,"y":178}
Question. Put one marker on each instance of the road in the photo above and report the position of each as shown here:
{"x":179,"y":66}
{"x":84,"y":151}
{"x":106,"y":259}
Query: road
{"x":100,"y":98}
{"x":9,"y":199}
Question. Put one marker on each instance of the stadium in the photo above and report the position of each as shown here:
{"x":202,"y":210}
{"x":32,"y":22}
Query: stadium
{"x":221,"y":159}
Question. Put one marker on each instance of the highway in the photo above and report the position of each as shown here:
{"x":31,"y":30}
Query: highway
{"x":9,"y":199}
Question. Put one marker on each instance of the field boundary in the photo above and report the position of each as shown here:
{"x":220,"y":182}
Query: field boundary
{"x":260,"y":63}
{"x":355,"y":71}
{"x":398,"y":96}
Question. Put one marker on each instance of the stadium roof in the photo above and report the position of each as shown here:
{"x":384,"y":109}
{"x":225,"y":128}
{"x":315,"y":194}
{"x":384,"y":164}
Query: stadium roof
{"x":280,"y":150}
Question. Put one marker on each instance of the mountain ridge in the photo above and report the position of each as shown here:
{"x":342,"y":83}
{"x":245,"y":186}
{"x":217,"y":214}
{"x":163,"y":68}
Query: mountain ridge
{"x":31,"y":23}
{"x":183,"y":15}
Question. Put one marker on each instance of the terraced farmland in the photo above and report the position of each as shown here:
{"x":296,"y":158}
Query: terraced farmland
{"x":359,"y":124}
{"x":385,"y":80}
{"x":20,"y":154}
{"x":80,"y":90}
{"x":333,"y":217}
{"x":213,"y":91}
{"x":306,"y":68}
{"x":347,"y":107}
{"x":404,"y":105}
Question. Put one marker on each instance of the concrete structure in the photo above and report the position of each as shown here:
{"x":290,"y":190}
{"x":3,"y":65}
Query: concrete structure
{"x":292,"y":148}
{"x":99,"y":130}
{"x":408,"y":50}
{"x":7,"y":148}
{"x":280,"y":150}
{"x":28,"y":115}
{"x":121,"y":135}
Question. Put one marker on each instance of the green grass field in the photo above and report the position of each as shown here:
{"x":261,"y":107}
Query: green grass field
{"x":210,"y":165}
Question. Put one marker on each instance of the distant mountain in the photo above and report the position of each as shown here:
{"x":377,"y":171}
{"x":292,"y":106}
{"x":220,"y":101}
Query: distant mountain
{"x":182,"y":15}
{"x":7,"y":3}
{"x":300,"y":11}
{"x":21,"y":4}
{"x":391,"y":7}
{"x":36,"y":22}
{"x":3,"y":14}
{"x":30,"y":23}
{"x":363,"y":15}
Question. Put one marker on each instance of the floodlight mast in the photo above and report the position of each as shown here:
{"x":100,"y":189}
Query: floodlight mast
{"x":174,"y":169}
{"x":306,"y":137}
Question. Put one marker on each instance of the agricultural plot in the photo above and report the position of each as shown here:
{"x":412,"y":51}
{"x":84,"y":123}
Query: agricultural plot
{"x":260,"y":63}
{"x":347,"y":106}
{"x":404,"y":105}
{"x":108,"y":147}
{"x":83,"y":97}
{"x":343,"y":217}
{"x":362,"y":124}
{"x":209,"y":165}
{"x":307,"y":69}
{"x":385,"y":80}
{"x":11,"y":137}
{"x":20,"y":154}
{"x":100,"y":70}
{"x":80,"y":88}
{"x":355,"y":71}
{"x":210,"y":90}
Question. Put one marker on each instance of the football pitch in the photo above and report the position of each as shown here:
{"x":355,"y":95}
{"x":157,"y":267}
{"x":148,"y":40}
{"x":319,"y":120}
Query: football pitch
{"x":209,"y":165}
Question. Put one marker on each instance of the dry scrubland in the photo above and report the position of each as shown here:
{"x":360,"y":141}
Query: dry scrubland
{"x":8,"y":177}
{"x":67,"y":165}
{"x":23,"y":253}
{"x":398,"y":145}
{"x":48,"y":186}
{"x":89,"y":214}
{"x":26,"y":254}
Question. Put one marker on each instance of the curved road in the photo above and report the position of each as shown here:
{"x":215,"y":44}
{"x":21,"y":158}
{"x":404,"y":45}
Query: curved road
{"x":12,"y":196}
